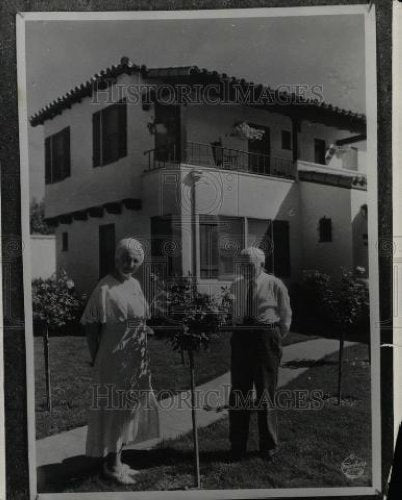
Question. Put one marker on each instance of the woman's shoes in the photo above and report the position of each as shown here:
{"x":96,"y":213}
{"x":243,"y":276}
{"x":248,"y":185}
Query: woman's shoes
{"x":131,"y":471}
{"x":123,"y":475}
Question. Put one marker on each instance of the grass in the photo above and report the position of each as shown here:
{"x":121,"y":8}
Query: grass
{"x":313,"y":444}
{"x":71,"y":376}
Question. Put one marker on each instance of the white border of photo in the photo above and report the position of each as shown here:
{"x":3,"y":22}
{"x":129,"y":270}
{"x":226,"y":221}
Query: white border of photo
{"x":371,"y":112}
{"x":397,"y":209}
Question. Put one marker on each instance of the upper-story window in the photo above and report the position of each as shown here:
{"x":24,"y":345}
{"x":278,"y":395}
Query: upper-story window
{"x":109,"y":129}
{"x":57,"y":156}
{"x":320,"y":150}
{"x":286,"y":139}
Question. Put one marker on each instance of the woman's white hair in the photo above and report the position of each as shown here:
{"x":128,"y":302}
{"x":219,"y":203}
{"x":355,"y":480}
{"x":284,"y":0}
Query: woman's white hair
{"x":129,"y":244}
{"x":255,"y":253}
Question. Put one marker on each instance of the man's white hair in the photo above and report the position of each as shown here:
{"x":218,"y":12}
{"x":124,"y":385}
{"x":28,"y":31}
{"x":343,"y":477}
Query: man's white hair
{"x":255,"y":253}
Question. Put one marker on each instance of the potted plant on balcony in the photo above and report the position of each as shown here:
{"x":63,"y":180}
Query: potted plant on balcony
{"x":246,"y":131}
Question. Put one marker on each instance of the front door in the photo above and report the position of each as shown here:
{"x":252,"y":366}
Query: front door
{"x":259,"y":159}
{"x":107,"y":242}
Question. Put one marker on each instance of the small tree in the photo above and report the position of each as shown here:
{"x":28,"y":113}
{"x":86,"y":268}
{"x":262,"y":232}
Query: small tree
{"x":193,"y":320}
{"x":345,"y":304}
{"x":55,"y":304}
{"x":37,"y":219}
{"x":348,"y":303}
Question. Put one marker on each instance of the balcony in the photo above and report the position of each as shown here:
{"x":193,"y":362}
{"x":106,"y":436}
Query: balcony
{"x":217,"y":156}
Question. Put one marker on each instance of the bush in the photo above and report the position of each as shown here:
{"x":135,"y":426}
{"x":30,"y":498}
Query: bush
{"x":323,"y":305}
{"x":37,"y":219}
{"x":56,"y":304}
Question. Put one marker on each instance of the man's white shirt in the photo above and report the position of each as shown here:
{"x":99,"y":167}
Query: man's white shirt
{"x":270,"y":300}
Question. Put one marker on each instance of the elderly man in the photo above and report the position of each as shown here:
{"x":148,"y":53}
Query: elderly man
{"x":262,"y":317}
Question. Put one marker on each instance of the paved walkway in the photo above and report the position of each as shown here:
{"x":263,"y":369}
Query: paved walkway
{"x":175,"y":413}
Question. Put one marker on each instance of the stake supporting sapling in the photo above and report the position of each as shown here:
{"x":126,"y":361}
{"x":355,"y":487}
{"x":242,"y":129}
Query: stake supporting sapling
{"x":197,"y":475}
{"x":340,"y":367}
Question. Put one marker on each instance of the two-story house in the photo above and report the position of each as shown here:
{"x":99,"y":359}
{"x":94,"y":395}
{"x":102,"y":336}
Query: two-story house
{"x":198,"y":178}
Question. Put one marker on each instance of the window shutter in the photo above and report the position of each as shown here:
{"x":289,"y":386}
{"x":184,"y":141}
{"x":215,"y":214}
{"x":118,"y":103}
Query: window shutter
{"x":48,"y":161}
{"x":122,"y":128}
{"x":281,"y":248}
{"x":267,"y":246}
{"x":209,"y":250}
{"x":161,"y":234}
{"x":66,"y":155}
{"x":96,"y":139}
{"x":260,"y":235}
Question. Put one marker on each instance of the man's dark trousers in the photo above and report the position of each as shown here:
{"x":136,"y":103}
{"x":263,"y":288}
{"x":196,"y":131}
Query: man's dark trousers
{"x":255,"y":359}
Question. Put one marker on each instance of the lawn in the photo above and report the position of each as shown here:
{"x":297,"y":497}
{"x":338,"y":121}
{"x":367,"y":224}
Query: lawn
{"x":313,"y":444}
{"x":71,"y":376}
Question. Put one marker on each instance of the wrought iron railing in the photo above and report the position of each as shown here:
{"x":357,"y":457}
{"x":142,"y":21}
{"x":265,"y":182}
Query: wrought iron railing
{"x":213,"y":155}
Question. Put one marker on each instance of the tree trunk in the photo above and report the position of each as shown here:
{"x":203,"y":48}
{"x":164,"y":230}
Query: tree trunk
{"x":47,"y":368}
{"x":197,"y":479}
{"x":340,"y":367}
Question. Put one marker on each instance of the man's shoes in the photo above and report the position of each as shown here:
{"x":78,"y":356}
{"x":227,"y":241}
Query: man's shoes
{"x":268,"y":455}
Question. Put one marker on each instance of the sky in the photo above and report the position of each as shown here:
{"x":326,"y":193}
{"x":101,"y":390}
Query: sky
{"x":313,"y":50}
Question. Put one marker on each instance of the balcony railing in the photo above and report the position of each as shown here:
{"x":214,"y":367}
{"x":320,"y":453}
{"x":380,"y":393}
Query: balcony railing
{"x":210,"y":155}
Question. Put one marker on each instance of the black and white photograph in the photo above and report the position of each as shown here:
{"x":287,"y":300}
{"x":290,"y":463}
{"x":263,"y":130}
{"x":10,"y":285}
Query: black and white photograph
{"x":199,"y":217}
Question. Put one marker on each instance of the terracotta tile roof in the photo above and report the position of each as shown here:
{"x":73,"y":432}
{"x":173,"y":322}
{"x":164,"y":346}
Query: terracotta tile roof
{"x":100,"y":80}
{"x":308,"y":109}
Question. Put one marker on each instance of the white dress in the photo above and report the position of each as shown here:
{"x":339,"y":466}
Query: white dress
{"x":123,"y":408}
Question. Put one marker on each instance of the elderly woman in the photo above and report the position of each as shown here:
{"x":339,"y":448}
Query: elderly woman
{"x":123,"y":407}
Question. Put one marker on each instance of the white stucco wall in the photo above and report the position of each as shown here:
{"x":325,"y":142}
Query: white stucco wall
{"x":43,"y":255}
{"x":88,"y":186}
{"x":310,"y":131}
{"x":317,"y":201}
{"x":360,"y":228}
{"x":81,"y":261}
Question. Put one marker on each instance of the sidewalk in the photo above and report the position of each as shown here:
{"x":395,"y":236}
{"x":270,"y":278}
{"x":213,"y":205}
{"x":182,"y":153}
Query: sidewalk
{"x":175,"y":413}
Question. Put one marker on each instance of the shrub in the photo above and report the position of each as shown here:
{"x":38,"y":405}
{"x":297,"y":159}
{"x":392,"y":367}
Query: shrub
{"x":325,"y":305}
{"x":37,"y":219}
{"x":55,"y":303}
